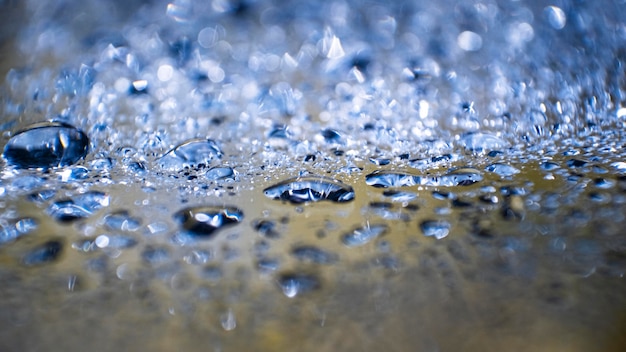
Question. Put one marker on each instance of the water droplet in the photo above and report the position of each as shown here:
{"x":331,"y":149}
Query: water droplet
{"x":189,"y":154}
{"x":481,"y":142}
{"x":469,"y":41}
{"x":363,"y":235}
{"x":556,"y":17}
{"x":294,"y":284}
{"x":549,"y":166}
{"x":221,"y":173}
{"x":45,"y":253}
{"x":399,"y":196}
{"x":311,"y":189}
{"x":46,"y":144}
{"x":80,"y":207}
{"x":228,"y":320}
{"x":122,"y":221}
{"x":314,"y":255}
{"x":459,"y":177}
{"x":576,"y":163}
{"x":267,"y":228}
{"x":204,"y":221}
{"x":503,"y":170}
{"x":155,"y":255}
{"x":435,"y":228}
{"x":384,"y":178}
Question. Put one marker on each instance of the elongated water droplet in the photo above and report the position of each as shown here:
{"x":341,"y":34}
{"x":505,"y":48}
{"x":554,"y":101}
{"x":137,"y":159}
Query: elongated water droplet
{"x":45,"y":253}
{"x":435,"y":228}
{"x":314,"y":255}
{"x":190,"y":154}
{"x":363,"y":235}
{"x":79,"y":207}
{"x":311,"y":189}
{"x":46,"y":144}
{"x":204,"y":221}
{"x":294,"y":284}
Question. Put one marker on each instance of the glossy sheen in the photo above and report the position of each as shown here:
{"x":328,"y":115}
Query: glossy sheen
{"x":191,"y":153}
{"x":45,"y":145}
{"x":311,"y":189}
{"x":205,"y":221}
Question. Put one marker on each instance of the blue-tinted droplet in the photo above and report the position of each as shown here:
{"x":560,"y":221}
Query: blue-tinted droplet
{"x":363,"y":235}
{"x":311,"y":189}
{"x":204,"y":221}
{"x":45,"y":145}
{"x":191,"y":153}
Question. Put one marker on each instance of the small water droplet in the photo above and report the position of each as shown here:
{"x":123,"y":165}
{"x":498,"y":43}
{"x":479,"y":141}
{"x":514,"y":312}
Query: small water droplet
{"x":311,"y":189}
{"x":435,"y":228}
{"x":122,"y":221}
{"x":315,"y":255}
{"x":45,"y":145}
{"x":363,"y":235}
{"x":80,"y":207}
{"x":204,"y":221}
{"x":294,"y":284}
{"x":45,"y":253}
{"x":228,"y":320}
{"x":503,"y":170}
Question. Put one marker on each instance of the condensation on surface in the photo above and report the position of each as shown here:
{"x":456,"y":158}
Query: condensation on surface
{"x":262,"y":175}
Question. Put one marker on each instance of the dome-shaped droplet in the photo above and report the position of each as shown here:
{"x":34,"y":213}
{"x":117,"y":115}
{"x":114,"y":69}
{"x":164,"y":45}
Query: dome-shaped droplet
{"x":311,"y":189}
{"x":46,"y":144}
{"x":191,"y":153}
{"x":363,"y":235}
{"x":204,"y":221}
{"x":435,"y":228}
{"x":384,"y":178}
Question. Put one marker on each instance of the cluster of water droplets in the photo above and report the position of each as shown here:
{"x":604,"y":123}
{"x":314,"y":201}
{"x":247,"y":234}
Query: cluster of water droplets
{"x":201,"y":134}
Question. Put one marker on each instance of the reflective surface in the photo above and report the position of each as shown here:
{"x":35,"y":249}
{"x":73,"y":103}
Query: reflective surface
{"x":262,"y":175}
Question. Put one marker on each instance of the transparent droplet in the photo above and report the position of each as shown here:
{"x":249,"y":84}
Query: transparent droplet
{"x":435,"y":228}
{"x":228,"y":320}
{"x":313,"y":254}
{"x":294,"y":284}
{"x":502,"y":170}
{"x":122,"y":221}
{"x":363,"y":235}
{"x":45,"y":253}
{"x":204,"y":221}
{"x":46,"y":144}
{"x":311,"y":189}
{"x":79,"y":207}
{"x":221,"y":173}
{"x":556,"y":17}
{"x":191,"y":153}
{"x":481,"y":142}
{"x":469,"y":41}
{"x":383,"y":178}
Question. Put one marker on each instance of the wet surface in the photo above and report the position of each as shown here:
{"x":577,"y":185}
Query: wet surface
{"x":233,"y":175}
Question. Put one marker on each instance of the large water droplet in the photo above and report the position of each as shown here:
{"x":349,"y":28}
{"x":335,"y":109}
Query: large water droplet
{"x":481,"y":142}
{"x":81,"y":206}
{"x":459,"y":177}
{"x":191,"y":153}
{"x":204,"y":221}
{"x":435,"y":228}
{"x":363,"y":235}
{"x":503,"y":170}
{"x":311,"y":189}
{"x":221,"y":173}
{"x":384,"y":178}
{"x":46,"y":144}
